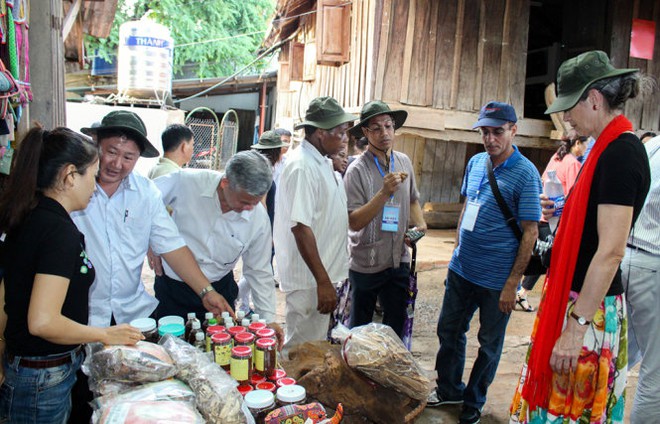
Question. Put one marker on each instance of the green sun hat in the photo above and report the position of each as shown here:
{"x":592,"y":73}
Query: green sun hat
{"x":375,"y":108}
{"x":129,"y":122}
{"x":575,"y":75}
{"x":269,"y":140}
{"x":325,"y":113}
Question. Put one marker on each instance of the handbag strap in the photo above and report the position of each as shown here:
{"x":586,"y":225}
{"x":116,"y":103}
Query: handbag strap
{"x":508,"y":216}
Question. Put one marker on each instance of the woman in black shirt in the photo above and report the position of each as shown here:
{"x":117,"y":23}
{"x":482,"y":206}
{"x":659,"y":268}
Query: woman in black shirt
{"x":47,"y":276}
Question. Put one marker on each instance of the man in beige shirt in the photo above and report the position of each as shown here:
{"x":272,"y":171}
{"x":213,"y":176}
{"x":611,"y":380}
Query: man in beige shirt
{"x":178,"y":144}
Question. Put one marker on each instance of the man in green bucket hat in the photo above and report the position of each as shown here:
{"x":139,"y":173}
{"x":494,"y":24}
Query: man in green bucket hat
{"x":311,"y":224}
{"x":383,"y":202}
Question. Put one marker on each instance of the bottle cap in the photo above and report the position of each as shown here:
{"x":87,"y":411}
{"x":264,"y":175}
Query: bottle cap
{"x":256,"y":326}
{"x":264,"y":343}
{"x":239,"y":315}
{"x":212,"y":329}
{"x":208,"y":315}
{"x":220,"y":338}
{"x":241,"y":351}
{"x":176,"y":330}
{"x":244,"y":337}
{"x":291,"y":394}
{"x":236,"y":329}
{"x":225,"y":315}
{"x":199,"y":336}
{"x":171,"y":319}
{"x":245,"y":322}
{"x":286,"y":381}
{"x":266,"y":385}
{"x":243,"y":389}
{"x":256,"y":379}
{"x":265,"y":333}
{"x":192,"y":315}
{"x":144,"y":324}
{"x":255,"y":317}
{"x":259,"y":399}
{"x":196,"y":325}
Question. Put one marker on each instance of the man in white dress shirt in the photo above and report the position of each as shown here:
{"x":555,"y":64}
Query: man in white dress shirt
{"x":640,"y":272}
{"x":221,"y":218}
{"x":124,"y":217}
{"x":311,"y":224}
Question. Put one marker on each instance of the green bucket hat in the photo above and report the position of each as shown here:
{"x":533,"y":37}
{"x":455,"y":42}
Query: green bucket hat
{"x":325,"y":113}
{"x":576,"y":74}
{"x":375,"y":108}
{"x":269,"y":140}
{"x":130,"y":123}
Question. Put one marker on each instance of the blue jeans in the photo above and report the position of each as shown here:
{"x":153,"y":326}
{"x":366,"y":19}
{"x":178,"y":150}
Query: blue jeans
{"x":390,"y":286}
{"x":461,"y":301}
{"x":30,"y":395}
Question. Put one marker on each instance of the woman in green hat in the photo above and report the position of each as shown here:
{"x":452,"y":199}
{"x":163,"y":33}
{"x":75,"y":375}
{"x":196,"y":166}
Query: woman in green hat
{"x":577,"y":363}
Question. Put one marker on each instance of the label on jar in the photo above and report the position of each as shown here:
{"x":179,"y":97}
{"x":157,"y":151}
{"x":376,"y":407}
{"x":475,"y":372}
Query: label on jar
{"x":259,"y":360}
{"x":222,"y":354}
{"x":240,"y":369}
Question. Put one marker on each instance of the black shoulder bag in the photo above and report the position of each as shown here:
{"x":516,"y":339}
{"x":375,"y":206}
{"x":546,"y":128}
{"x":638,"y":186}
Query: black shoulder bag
{"x":540,"y":260}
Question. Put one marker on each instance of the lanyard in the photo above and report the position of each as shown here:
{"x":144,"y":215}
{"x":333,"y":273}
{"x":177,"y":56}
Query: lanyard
{"x":382,"y":174}
{"x":381,"y":169}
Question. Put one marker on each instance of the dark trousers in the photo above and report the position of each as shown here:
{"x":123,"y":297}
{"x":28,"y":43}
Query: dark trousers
{"x":529,"y":281}
{"x":390,"y":286}
{"x":177,"y":298}
{"x":461,"y":301}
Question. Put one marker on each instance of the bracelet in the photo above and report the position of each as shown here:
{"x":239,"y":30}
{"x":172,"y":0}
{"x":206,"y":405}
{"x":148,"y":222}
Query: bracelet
{"x":206,"y":289}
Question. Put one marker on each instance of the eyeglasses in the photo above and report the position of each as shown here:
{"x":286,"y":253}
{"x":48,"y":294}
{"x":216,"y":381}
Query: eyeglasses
{"x":497,"y":132}
{"x":386,"y":127}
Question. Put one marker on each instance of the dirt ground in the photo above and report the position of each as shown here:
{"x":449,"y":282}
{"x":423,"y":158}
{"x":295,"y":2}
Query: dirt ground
{"x":434,"y":252}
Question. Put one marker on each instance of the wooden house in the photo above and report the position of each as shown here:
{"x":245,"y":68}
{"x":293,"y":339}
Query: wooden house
{"x":441,"y":60}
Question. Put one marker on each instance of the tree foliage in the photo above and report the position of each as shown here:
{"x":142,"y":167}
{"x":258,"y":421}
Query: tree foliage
{"x":211,"y":37}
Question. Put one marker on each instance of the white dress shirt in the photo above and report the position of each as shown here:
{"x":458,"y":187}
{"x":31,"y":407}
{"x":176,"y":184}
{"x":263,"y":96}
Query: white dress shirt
{"x":645,"y":234}
{"x":118,"y":231}
{"x":218,"y":240}
{"x":311,"y":194}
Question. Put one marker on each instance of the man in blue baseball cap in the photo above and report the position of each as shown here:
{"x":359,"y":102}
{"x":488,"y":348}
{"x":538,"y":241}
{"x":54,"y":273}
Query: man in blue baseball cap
{"x":488,"y":261}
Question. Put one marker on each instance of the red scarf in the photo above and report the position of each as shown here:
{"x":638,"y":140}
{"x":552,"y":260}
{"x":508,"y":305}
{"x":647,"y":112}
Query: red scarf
{"x":565,"y":251}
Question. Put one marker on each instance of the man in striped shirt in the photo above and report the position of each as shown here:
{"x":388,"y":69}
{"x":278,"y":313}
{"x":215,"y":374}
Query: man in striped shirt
{"x":487,"y":263}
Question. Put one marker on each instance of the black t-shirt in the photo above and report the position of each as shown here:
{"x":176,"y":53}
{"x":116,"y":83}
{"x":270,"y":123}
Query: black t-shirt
{"x":622,"y":177}
{"x":47,"y":242}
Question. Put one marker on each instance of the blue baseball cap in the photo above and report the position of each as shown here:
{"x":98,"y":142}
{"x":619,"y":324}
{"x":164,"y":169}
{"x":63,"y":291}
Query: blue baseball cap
{"x":495,"y":114}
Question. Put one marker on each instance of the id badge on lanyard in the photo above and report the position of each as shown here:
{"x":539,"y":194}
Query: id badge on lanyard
{"x":390,"y":221}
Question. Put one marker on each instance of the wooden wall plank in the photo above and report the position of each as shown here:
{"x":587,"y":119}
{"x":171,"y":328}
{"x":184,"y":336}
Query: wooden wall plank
{"x":395,"y":54}
{"x":445,"y":50}
{"x":490,"y":46}
{"x":424,"y":181}
{"x":517,"y":52}
{"x":450,"y":162}
{"x":438,"y":171}
{"x":468,"y":64}
{"x":422,"y":62}
{"x":457,"y":172}
{"x":418,"y":158}
{"x":458,"y":54}
{"x":408,"y":51}
{"x":383,"y":46}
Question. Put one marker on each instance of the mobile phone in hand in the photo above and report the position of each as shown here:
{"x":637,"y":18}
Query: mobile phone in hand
{"x":414,"y":235}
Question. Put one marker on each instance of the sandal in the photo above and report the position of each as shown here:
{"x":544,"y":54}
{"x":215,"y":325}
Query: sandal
{"x":524,"y":304}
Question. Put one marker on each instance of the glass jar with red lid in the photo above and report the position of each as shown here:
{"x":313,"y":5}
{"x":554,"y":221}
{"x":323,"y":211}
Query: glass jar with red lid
{"x":265,"y":356}
{"x":240,"y":366}
{"x":244,"y":339}
{"x":233,"y":331}
{"x":266,"y":333}
{"x":222,"y":344}
{"x":210,"y":331}
{"x":256,"y":326}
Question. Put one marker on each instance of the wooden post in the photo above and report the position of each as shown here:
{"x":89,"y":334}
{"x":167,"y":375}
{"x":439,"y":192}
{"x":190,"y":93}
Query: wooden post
{"x":47,"y":65}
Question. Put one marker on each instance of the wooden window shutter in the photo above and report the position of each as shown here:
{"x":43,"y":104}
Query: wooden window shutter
{"x":284,"y":75}
{"x":333,"y":32}
{"x":296,"y":61}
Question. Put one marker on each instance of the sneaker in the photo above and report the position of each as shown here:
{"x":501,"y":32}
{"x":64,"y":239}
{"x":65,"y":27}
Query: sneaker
{"x":469,"y":415}
{"x":434,"y":400}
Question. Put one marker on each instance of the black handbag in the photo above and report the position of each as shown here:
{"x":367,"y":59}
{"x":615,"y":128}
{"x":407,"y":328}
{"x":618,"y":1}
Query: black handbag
{"x":540,"y":259}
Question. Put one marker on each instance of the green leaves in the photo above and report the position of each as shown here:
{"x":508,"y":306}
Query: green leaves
{"x":212,"y":38}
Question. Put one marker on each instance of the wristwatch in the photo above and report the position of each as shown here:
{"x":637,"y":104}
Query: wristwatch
{"x":580,"y":320}
{"x":206,"y":289}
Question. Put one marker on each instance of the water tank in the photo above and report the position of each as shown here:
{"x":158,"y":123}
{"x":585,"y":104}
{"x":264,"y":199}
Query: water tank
{"x":145,"y":60}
